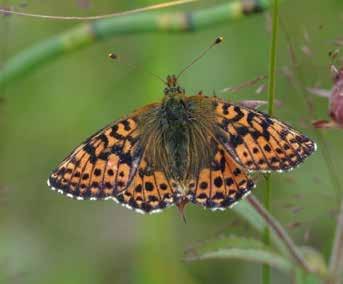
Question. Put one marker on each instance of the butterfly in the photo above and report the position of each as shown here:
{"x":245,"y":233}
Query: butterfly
{"x":195,"y":149}
{"x":184,"y":149}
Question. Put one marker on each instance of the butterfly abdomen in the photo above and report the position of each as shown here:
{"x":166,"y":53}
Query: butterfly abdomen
{"x":174,"y":131}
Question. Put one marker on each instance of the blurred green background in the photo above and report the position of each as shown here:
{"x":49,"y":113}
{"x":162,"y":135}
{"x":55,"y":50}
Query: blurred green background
{"x":47,"y":238}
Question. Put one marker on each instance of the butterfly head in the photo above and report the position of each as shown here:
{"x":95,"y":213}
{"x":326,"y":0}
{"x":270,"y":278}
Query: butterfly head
{"x":173,"y":88}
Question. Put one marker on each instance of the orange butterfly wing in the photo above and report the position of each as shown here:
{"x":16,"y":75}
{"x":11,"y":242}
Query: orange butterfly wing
{"x":150,"y":190}
{"x":259,"y":142}
{"x":102,"y":165}
{"x":223,"y":183}
{"x":111,"y":165}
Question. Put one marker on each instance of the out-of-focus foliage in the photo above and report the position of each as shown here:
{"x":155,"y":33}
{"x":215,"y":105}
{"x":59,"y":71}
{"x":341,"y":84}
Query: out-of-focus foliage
{"x":240,"y":248}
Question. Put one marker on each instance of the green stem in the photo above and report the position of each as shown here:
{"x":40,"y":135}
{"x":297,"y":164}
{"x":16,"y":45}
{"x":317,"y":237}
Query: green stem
{"x":271,"y":95}
{"x":336,"y":259}
{"x":266,"y":234}
{"x":88,"y":33}
{"x":272,"y":59}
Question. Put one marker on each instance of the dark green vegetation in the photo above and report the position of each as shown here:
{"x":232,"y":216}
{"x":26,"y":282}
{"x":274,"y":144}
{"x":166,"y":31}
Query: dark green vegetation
{"x":48,"y":238}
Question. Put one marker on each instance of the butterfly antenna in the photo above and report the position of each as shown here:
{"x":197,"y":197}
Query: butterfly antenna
{"x":116,"y":57}
{"x":218,"y":40}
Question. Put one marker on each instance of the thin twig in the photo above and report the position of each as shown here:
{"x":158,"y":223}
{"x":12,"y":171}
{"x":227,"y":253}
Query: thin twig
{"x":246,"y":84}
{"x":86,"y":34}
{"x":280,"y":232}
{"x":89,"y":18}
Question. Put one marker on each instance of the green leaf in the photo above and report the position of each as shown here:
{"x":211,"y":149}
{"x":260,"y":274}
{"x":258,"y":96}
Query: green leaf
{"x":302,"y":277}
{"x":316,"y":261}
{"x":239,"y":248}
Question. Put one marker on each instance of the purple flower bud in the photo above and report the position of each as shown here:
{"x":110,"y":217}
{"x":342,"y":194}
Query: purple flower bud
{"x":336,"y":99}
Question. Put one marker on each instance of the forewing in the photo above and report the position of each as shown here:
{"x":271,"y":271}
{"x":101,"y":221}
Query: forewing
{"x":111,"y":165}
{"x":103,"y":165}
{"x":259,"y":142}
{"x":223,"y":183}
